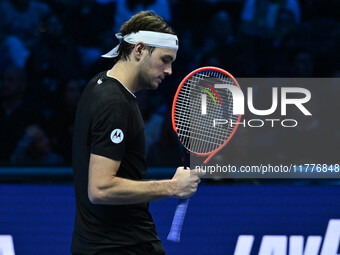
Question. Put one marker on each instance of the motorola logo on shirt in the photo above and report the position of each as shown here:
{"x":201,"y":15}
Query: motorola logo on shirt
{"x":117,"y":136}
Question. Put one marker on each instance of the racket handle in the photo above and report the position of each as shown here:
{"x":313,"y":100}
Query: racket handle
{"x":177,"y":222}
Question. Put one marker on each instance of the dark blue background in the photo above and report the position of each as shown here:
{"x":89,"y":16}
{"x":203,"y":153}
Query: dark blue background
{"x":40,"y":217}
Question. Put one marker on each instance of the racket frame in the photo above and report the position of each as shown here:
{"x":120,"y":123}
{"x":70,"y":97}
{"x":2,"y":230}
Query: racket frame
{"x":214,"y":152}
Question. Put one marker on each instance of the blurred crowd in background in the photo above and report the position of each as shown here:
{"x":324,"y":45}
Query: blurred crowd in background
{"x":50,"y":49}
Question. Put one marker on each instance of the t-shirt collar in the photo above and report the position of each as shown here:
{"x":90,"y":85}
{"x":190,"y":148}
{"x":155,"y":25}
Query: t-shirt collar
{"x":107,"y":74}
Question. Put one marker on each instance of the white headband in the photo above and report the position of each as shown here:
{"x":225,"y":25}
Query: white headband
{"x":150,"y":38}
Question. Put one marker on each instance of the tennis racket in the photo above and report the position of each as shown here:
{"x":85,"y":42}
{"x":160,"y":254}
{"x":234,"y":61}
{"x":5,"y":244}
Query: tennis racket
{"x":203,"y":96}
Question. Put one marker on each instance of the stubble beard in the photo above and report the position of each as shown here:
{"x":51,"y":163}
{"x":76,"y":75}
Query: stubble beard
{"x":146,"y":82}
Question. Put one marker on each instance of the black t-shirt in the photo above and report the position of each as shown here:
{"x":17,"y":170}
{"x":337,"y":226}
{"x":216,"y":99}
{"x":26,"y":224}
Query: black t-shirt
{"x":109,"y":123}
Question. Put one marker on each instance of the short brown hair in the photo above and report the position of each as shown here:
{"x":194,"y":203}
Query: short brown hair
{"x":144,"y":20}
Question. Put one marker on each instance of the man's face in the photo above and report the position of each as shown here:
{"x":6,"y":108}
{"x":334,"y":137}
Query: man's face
{"x":155,"y":66}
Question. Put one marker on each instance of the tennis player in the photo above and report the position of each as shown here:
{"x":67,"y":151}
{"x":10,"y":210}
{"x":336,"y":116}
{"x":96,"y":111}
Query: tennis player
{"x":112,"y":215}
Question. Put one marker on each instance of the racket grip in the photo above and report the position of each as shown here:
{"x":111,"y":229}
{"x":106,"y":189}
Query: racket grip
{"x":177,"y":222}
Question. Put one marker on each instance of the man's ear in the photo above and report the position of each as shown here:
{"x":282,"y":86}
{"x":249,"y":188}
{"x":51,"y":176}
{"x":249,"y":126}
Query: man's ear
{"x":138,"y":50}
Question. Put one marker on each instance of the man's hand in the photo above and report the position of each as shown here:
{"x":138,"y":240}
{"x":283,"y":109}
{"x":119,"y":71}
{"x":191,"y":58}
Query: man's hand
{"x":186,"y":181}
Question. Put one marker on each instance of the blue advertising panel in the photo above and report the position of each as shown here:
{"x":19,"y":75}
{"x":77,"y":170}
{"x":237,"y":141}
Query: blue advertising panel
{"x":239,"y":220}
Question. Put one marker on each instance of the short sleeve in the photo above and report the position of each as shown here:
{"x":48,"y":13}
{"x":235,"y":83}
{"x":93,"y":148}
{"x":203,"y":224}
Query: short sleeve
{"x":109,"y":131}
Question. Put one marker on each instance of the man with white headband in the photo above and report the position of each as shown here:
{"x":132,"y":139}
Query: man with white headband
{"x":109,"y":166}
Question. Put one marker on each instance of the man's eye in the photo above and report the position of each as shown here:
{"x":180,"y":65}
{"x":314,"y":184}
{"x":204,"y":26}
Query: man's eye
{"x":166,"y":60}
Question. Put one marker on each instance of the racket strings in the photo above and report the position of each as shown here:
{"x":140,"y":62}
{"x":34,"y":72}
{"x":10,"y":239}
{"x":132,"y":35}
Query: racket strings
{"x":196,"y":130}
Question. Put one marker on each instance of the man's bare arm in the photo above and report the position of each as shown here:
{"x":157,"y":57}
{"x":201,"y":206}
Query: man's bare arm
{"x":105,"y":187}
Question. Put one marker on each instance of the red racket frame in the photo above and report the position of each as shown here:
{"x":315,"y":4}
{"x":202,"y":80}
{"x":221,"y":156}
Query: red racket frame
{"x":206,"y":68}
